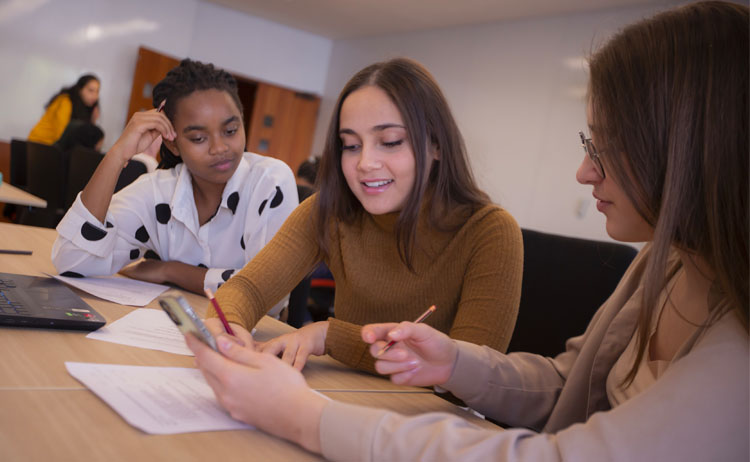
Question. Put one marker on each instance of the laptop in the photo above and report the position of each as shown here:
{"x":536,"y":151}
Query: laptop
{"x":30,"y":301}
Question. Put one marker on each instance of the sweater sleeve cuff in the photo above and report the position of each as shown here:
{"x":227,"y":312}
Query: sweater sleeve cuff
{"x":344,"y":343}
{"x":467,"y":380}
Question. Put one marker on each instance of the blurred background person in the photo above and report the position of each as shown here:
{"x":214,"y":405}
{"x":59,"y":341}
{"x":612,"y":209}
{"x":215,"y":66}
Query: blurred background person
{"x":79,"y":102}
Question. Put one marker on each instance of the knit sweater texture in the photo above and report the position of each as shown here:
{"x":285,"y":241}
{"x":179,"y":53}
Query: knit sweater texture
{"x":472,"y":274}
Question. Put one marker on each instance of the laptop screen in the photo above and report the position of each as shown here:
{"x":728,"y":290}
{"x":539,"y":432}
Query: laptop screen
{"x":31,"y":301}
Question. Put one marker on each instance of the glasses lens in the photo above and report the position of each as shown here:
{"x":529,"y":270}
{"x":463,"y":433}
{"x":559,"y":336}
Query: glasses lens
{"x":590,"y":149}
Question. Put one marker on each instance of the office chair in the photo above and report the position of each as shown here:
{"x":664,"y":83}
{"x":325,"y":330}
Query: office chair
{"x":46,"y":174}
{"x":17,"y":174}
{"x":130,"y":173}
{"x":18,"y":163}
{"x":565,"y":280}
{"x":82,"y":164}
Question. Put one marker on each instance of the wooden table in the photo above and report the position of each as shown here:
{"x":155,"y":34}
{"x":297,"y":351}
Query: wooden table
{"x":45,"y":414}
{"x":13,"y":195}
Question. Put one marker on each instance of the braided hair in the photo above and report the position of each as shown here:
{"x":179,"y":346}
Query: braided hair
{"x":188,"y":77}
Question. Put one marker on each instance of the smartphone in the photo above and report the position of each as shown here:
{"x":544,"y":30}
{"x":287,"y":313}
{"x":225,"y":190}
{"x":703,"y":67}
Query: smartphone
{"x":182,"y":314}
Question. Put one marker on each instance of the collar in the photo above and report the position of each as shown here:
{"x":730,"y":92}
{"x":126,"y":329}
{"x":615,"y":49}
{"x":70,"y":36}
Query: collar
{"x":183,"y":202}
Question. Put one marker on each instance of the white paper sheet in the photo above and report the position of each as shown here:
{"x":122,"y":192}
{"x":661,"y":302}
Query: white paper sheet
{"x":144,"y":328}
{"x":124,"y":291}
{"x":157,"y":400}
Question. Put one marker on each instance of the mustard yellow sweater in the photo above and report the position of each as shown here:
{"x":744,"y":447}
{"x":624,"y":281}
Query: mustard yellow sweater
{"x":472,"y":275}
{"x":52,"y":124}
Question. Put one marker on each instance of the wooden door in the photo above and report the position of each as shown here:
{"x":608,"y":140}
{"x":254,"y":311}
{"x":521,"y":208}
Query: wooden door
{"x":279,"y":122}
{"x":282,"y":124}
{"x":151,"y":67}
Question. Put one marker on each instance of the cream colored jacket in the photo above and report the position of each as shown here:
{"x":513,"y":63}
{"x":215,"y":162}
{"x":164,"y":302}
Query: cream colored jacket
{"x":696,"y":411}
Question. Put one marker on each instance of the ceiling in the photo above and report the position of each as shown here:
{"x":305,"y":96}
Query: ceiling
{"x":340,"y":19}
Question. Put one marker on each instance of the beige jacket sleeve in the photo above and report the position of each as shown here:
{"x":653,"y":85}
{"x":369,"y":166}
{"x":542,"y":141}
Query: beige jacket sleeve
{"x":698,"y":410}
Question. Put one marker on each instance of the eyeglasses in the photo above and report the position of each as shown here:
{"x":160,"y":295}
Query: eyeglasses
{"x":590,"y":149}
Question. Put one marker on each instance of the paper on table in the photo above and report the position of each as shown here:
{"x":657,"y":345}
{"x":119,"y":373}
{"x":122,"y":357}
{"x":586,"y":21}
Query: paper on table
{"x":157,"y":400}
{"x":144,"y":328}
{"x":124,"y":291}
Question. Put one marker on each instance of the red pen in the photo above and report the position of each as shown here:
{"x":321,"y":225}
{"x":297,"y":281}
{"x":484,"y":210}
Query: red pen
{"x":424,"y":316}
{"x":223,"y":319}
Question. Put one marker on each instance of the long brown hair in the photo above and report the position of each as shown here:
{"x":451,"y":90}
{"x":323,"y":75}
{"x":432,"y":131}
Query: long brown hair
{"x":449,"y":185}
{"x":669,"y":98}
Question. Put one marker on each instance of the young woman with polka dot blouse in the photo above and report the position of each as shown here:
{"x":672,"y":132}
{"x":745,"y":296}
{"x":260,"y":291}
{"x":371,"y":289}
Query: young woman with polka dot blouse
{"x":202,"y":215}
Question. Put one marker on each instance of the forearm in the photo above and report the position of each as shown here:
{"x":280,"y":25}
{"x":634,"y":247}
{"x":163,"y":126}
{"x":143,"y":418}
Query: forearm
{"x":272,"y":273}
{"x":187,"y":276}
{"x":515,"y":389}
{"x":302,"y":424}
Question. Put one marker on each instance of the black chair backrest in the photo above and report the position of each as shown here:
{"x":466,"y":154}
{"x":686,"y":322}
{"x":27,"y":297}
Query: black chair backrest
{"x":18,"y":163}
{"x":130,"y":173}
{"x":83,"y":163}
{"x":47,"y":174}
{"x":565,"y":280}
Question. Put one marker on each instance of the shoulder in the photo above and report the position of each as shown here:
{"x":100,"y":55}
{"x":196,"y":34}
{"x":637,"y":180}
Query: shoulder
{"x":267,"y":166}
{"x":494,"y":220}
{"x":146,"y":186}
{"x":61,"y":102}
{"x":167,"y":176}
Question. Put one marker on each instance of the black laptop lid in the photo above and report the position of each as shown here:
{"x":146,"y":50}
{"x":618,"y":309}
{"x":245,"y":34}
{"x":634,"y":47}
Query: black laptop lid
{"x":30,"y":301}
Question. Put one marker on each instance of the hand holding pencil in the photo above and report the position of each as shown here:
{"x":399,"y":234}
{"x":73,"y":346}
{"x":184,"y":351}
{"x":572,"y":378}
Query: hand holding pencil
{"x":220,"y":326}
{"x":419,"y":355}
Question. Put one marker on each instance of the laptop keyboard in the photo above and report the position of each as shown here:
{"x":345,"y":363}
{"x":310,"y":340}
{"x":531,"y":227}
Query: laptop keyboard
{"x":8,"y":303}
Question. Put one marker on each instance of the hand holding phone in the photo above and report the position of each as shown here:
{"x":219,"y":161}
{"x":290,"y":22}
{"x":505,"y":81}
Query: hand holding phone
{"x":181,"y":313}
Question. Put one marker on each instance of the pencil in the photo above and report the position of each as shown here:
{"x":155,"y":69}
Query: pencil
{"x":424,"y":316}
{"x":16,"y":252}
{"x":223,"y":319}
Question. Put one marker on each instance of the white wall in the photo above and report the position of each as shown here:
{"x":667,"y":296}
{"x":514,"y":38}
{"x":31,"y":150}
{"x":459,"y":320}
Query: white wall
{"x":517,"y":91}
{"x":44,"y":46}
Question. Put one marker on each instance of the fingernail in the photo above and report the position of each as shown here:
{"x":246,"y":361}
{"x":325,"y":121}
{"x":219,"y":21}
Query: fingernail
{"x":224,"y":344}
{"x":394,"y":332}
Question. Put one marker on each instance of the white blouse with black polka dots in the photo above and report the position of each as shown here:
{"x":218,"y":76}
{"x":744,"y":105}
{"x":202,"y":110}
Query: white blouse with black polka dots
{"x":156,"y":217}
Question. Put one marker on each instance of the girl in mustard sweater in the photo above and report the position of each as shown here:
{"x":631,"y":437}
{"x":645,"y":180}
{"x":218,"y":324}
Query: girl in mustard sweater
{"x":79,"y":102}
{"x":400,"y":223}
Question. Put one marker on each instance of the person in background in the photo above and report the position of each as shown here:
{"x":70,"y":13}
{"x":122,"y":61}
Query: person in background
{"x":79,"y":102}
{"x":199,"y":218}
{"x":661,"y":373}
{"x":307,"y":172}
{"x":299,"y":297}
{"x":400,"y":223}
{"x":79,"y":133}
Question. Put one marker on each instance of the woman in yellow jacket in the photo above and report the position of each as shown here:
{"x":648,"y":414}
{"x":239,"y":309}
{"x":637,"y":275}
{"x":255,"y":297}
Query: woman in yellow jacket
{"x":79,"y":102}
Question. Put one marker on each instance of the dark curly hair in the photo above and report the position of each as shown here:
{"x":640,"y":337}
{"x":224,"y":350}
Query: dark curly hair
{"x":189,"y":76}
